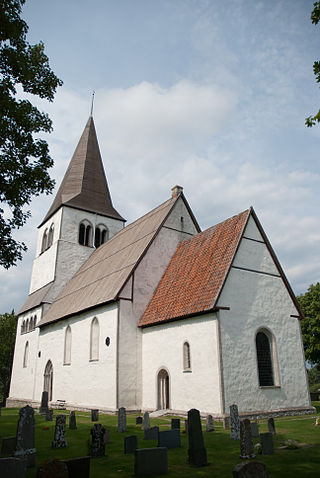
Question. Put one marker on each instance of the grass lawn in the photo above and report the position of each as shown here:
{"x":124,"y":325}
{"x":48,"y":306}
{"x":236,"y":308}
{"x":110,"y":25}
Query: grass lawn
{"x":222,"y":453}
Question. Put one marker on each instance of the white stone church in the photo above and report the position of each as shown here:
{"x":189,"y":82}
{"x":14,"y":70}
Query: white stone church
{"x":157,"y":314}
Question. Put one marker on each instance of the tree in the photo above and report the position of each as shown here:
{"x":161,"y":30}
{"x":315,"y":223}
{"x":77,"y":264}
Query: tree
{"x":315,"y":18}
{"x":8,"y":326}
{"x":24,"y":159}
{"x":310,"y":325}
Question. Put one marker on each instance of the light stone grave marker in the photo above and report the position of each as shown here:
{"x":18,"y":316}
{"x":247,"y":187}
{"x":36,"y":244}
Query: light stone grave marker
{"x":209,"y":424}
{"x":250,"y":469}
{"x":234,"y":422}
{"x":122,"y":420}
{"x":59,"y":440}
{"x":151,"y":461}
{"x":98,"y":447}
{"x":197,"y":454}
{"x":25,"y":447}
{"x":246,"y":443}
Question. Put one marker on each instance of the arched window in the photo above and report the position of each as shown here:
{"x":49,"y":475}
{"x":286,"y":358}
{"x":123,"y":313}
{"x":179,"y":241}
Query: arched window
{"x":67,"y":346}
{"x":27,"y":325}
{"x":101,"y":235}
{"x":186,"y":356}
{"x":48,"y":379}
{"x":264,"y":358}
{"x":94,"y":340}
{"x":50,"y":236}
{"x":34,"y":321}
{"x":44,"y":241}
{"x":25,"y":355}
{"x":85,"y":233}
{"x":31,"y":324}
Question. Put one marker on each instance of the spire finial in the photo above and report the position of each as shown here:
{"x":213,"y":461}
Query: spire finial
{"x":92,"y":103}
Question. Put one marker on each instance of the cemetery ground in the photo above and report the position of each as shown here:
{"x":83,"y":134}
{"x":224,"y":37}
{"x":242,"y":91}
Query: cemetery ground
{"x":222,"y":452}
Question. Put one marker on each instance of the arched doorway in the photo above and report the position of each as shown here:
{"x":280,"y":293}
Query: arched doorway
{"x":48,"y":379}
{"x":163,"y":390}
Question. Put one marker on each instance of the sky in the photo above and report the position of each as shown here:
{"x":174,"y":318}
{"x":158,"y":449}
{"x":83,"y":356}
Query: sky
{"x":207,"y":94}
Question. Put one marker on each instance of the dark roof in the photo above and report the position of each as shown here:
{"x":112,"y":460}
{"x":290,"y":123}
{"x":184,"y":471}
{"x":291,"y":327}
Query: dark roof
{"x":36,"y":298}
{"x":84,"y":185}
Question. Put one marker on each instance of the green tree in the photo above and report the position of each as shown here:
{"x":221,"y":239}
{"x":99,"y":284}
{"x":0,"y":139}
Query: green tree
{"x":310,"y":325}
{"x":315,"y":18}
{"x":8,"y":326}
{"x":24,"y":159}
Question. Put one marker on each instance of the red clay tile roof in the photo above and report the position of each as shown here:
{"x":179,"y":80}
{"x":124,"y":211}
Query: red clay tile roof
{"x":196,"y":273}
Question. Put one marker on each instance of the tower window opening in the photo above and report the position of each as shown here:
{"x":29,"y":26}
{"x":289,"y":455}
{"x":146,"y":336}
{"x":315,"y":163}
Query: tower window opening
{"x":100,"y":235}
{"x":85,"y":233}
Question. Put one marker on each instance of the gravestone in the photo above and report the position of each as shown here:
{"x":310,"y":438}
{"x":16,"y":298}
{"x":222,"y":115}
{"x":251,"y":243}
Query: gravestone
{"x":139,"y":420}
{"x":59,"y":440}
{"x":146,"y":421}
{"x":13,"y":468}
{"x":186,"y":426}
{"x":122,"y":420}
{"x":175,"y":423}
{"x":151,"y":461}
{"x":95,"y":415}
{"x":225,"y":423}
{"x":254,"y":429}
{"x":8,"y":445}
{"x":44,"y":403}
{"x":49,"y":415}
{"x":246,"y":443}
{"x":72,"y":421}
{"x":209,"y":424}
{"x":197,"y":454}
{"x":266,"y":440}
{"x":234,"y":423}
{"x":250,"y":469}
{"x":97,"y":440}
{"x":130,"y":444}
{"x":78,"y":467}
{"x":106,"y":436}
{"x":169,"y":438}
{"x":151,"y":433}
{"x":25,"y":448}
{"x":52,"y":468}
{"x":271,"y":426}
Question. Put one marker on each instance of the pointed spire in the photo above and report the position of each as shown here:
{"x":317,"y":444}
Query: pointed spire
{"x":84,"y":185}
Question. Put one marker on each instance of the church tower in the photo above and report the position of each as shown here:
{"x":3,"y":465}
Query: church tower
{"x":80,"y":219}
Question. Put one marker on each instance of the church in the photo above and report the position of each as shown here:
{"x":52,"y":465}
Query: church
{"x":155,"y":315}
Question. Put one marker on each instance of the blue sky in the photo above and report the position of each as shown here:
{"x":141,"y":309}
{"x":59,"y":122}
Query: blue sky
{"x":208,"y":94}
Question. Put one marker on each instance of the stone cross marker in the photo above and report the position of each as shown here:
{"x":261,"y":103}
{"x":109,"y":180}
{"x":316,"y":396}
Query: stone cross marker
{"x":97,"y":440}
{"x":246,"y":443}
{"x":266,"y":440}
{"x":72,"y":421}
{"x":25,"y":447}
{"x":59,"y":440}
{"x":197,"y":454}
{"x":146,"y":421}
{"x":234,"y":423}
{"x":49,"y":415}
{"x":209,"y":424}
{"x":122,"y":420}
{"x":250,"y":469}
{"x":94,"y":415}
{"x":44,"y":403}
{"x":271,"y":426}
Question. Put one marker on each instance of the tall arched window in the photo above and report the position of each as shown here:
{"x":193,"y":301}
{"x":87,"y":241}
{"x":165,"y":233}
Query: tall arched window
{"x":25,"y":355}
{"x":23,"y":327}
{"x":67,"y":346}
{"x":85,"y":233}
{"x":31,"y":323}
{"x":44,"y":241}
{"x":186,"y":356}
{"x":94,"y":340}
{"x":50,"y":236}
{"x":27,"y":325}
{"x":264,"y":358}
{"x":100,"y":235}
{"x":34,"y":321}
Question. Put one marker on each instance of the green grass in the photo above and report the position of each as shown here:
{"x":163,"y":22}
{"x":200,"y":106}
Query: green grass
{"x":222,"y":453}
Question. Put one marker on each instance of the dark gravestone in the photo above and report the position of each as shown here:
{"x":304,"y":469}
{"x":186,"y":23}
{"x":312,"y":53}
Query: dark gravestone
{"x":175,"y":423}
{"x":78,"y":467}
{"x":254,"y":429}
{"x":52,"y":468}
{"x":44,"y":403}
{"x":225,"y":423}
{"x":8,"y":445}
{"x":266,"y":440}
{"x":197,"y":454}
{"x":13,"y":468}
{"x":95,"y":415}
{"x":271,"y":426}
{"x":106,"y":436}
{"x":151,"y":433}
{"x":49,"y":415}
{"x":72,"y":421}
{"x":59,"y":440}
{"x":146,"y":421}
{"x":151,"y":461}
{"x":25,"y":447}
{"x":130,"y":444}
{"x":209,"y":424}
{"x":246,"y":443}
{"x":234,"y":423}
{"x":98,"y":447}
{"x":250,"y":469}
{"x":122,"y":420}
{"x":169,"y":438}
{"x":186,"y":426}
{"x":139,"y":420}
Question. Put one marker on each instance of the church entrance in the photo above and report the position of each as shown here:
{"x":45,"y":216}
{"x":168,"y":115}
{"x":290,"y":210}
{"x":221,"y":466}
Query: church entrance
{"x":163,"y":390}
{"x":48,"y":379}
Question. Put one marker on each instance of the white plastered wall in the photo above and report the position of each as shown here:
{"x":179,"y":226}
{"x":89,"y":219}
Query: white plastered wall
{"x":162,"y":348}
{"x":258,"y":298}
